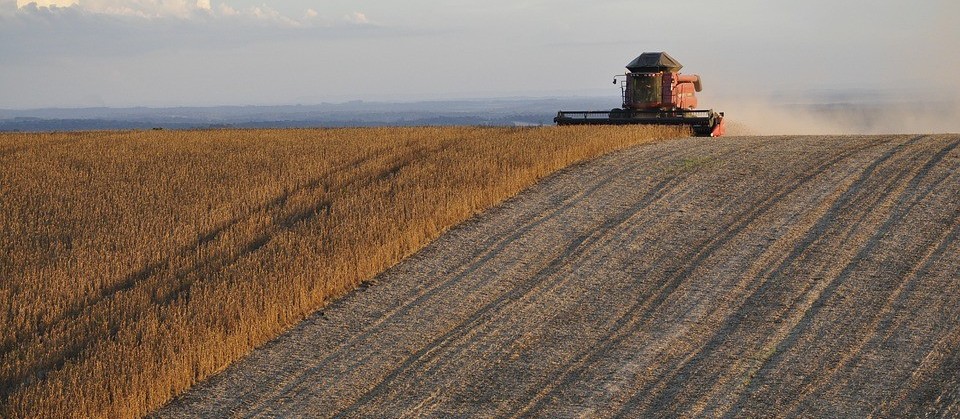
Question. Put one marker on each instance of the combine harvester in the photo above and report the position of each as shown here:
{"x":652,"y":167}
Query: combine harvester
{"x":654,"y":93}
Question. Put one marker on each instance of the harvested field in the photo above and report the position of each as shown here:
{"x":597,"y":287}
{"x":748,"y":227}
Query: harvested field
{"x":796,"y":276}
{"x":135,"y":264}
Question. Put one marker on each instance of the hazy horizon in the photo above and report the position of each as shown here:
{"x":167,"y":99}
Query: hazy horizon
{"x":159,"y":53}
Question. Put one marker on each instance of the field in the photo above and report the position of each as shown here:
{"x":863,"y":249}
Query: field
{"x":737,"y":277}
{"x":135,"y":264}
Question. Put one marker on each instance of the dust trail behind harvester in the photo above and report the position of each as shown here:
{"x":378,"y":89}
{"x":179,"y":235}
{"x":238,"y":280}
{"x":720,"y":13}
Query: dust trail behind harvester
{"x":746,"y":117}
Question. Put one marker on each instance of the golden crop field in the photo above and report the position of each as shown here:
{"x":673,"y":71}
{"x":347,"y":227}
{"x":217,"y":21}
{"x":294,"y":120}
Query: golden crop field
{"x":134,"y":264}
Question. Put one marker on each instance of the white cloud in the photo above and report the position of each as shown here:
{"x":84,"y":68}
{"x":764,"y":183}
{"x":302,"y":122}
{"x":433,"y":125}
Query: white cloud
{"x":178,"y":9}
{"x":95,"y":29}
{"x":47,"y":3}
{"x":226,"y":10}
{"x":141,"y":8}
{"x":267,"y":14}
{"x":358,"y":18}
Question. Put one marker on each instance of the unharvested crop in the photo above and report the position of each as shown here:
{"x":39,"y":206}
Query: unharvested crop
{"x":133,"y":264}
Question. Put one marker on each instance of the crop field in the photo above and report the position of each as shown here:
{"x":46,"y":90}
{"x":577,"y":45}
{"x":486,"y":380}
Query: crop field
{"x":806,"y":276}
{"x":135,"y":264}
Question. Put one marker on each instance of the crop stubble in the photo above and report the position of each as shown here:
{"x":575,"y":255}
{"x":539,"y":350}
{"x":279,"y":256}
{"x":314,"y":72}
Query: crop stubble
{"x":741,"y":276}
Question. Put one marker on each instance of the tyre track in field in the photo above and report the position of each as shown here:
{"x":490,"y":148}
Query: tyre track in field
{"x":640,"y":284}
{"x":941,"y":361}
{"x":483,"y":255}
{"x":549,"y":280}
{"x":905,"y":203}
{"x":577,"y":249}
{"x":702,"y":251}
{"x":815,"y":233}
{"x":808,"y":300}
{"x":849,"y":203}
{"x":881,"y":324}
{"x":545,"y":279}
{"x":813,"y":298}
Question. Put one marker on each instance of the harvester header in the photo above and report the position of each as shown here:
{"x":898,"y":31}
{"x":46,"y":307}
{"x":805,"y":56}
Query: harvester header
{"x":654,"y":93}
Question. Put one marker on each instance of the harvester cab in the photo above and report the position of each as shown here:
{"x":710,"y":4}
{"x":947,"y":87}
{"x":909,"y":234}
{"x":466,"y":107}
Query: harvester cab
{"x":654,"y":93}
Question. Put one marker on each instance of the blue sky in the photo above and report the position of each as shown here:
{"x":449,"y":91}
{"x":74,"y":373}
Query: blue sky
{"x":244,"y":52}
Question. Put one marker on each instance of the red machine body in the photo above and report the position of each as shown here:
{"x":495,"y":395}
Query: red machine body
{"x":676,"y":91}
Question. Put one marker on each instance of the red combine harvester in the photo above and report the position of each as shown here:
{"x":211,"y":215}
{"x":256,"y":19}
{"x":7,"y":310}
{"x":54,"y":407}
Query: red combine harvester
{"x":655,"y":93}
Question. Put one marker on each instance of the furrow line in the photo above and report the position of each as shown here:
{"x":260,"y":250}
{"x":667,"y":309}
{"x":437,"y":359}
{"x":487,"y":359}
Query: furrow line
{"x":813,"y":297}
{"x":625,"y":325}
{"x":583,"y":246}
{"x":483,"y":254}
{"x":574,"y":249}
{"x":934,"y":249}
{"x":815,"y":238}
{"x":690,"y":365}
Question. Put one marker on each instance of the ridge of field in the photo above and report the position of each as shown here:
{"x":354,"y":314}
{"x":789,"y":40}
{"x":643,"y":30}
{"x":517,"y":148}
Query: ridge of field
{"x":134,"y":264}
{"x":732,"y":277}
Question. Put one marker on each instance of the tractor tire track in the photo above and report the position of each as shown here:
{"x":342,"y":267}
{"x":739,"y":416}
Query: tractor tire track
{"x":581,"y":250}
{"x":813,"y":299}
{"x":641,"y":283}
{"x":556,"y":276}
{"x":576,"y":250}
{"x":700,"y":253}
{"x":853,"y":200}
{"x":479,"y":260}
{"x":814,"y":234}
{"x":481,"y":256}
{"x":880,"y":323}
{"x":933,"y":247}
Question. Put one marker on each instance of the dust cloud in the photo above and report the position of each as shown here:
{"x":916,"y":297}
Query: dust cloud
{"x":771,"y":118}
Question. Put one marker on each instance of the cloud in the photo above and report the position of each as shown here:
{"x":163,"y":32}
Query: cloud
{"x":111,"y":28}
{"x":357,"y":18}
{"x":141,"y":8}
{"x":226,"y":10}
{"x":47,"y":3}
{"x":198,"y":10}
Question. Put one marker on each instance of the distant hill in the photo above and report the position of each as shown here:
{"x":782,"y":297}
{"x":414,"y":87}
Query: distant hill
{"x":499,"y":112}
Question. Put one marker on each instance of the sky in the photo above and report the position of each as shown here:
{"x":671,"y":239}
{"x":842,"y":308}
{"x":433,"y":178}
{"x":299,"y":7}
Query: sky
{"x":121,"y":53}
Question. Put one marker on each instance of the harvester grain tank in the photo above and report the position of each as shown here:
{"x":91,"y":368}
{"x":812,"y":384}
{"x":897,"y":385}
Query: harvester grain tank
{"x":655,"y":93}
